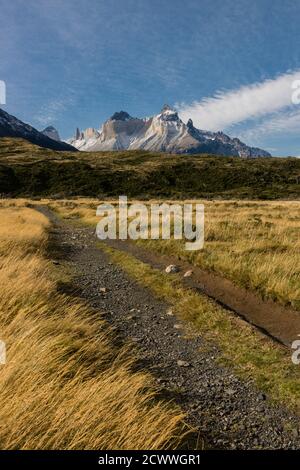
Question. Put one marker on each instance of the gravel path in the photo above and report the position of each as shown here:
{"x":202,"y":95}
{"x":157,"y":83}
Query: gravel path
{"x":229,"y":413}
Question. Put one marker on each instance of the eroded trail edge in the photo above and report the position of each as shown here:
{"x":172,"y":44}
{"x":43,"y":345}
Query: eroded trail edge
{"x":229,"y":412}
{"x":275,"y":320}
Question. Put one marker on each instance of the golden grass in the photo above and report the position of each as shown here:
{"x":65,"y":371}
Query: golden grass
{"x":255,"y":244}
{"x":65,"y":385}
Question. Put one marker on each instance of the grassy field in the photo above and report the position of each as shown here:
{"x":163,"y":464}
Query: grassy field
{"x":27,"y":170}
{"x":255,"y":244}
{"x":65,"y":385}
{"x":251,"y":354}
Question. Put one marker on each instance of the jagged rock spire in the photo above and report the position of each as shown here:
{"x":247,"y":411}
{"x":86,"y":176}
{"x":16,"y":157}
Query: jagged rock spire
{"x":77,"y":134}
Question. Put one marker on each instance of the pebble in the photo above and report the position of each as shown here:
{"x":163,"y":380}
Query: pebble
{"x":181,"y":363}
{"x":230,"y":391}
{"x":262,"y":396}
{"x":172,"y":268}
{"x":188,"y":273}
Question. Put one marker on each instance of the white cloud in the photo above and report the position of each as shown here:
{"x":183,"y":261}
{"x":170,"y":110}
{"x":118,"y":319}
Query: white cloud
{"x":227,"y":108}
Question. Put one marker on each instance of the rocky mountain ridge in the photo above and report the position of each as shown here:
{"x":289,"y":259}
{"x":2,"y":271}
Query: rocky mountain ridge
{"x":165,"y":132}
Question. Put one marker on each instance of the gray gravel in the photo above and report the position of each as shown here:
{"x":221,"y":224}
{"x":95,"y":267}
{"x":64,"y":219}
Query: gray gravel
{"x":229,"y":413}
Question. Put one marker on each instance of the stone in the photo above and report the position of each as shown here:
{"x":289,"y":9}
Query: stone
{"x":188,"y":273}
{"x":181,"y":363}
{"x":172,"y":268}
{"x":131,"y":317}
{"x":230,"y":391}
{"x":262,"y":396}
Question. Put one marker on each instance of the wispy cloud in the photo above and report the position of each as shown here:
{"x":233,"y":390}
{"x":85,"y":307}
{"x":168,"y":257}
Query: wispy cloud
{"x":282,"y":123}
{"x":51,"y":111}
{"x":227,"y":108}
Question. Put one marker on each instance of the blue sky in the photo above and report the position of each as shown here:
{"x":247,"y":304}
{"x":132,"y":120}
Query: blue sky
{"x":228,"y":64}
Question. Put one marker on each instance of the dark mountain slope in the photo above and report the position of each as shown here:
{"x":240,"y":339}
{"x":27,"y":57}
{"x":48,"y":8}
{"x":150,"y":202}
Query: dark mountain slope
{"x":10,"y":126}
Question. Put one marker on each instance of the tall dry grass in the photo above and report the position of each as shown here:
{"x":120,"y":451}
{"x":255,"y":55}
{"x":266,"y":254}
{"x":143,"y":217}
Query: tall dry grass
{"x":254,"y":243}
{"x":65,"y":385}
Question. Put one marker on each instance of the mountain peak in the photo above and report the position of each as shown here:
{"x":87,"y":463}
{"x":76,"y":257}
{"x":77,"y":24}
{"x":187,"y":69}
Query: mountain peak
{"x":77,"y":134}
{"x":10,"y":126}
{"x":163,"y":132}
{"x":168,"y":114}
{"x":120,"y":116}
{"x":167,"y":108}
{"x":52,"y":133}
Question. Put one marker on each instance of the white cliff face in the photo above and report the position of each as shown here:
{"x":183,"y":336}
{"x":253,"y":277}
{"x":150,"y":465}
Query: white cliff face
{"x":164,"y":132}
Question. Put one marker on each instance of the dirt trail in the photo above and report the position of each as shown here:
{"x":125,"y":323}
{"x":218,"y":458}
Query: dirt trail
{"x":229,"y":413}
{"x":277,"y":321}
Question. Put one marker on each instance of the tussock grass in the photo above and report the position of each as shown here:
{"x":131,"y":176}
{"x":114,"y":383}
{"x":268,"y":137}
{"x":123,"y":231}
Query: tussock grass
{"x":65,"y":384}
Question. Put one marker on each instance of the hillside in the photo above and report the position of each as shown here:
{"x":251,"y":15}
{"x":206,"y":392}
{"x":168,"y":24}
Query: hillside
{"x":28,"y":170}
{"x":12,"y":127}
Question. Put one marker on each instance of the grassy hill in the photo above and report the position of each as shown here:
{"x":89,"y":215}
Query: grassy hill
{"x":28,"y":170}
